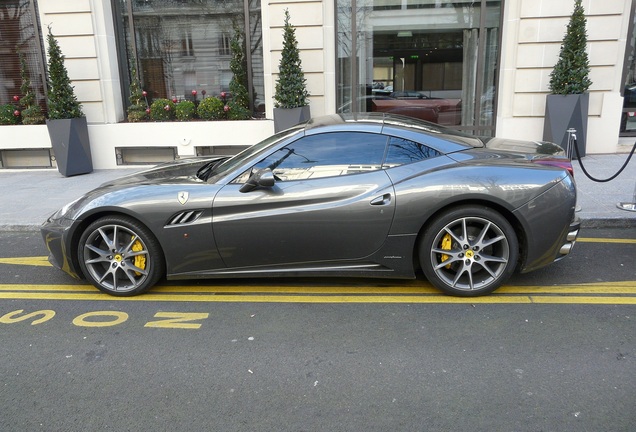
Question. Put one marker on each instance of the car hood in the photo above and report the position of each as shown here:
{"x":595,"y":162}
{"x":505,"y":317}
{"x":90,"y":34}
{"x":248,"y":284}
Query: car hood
{"x":181,"y":171}
{"x":135,"y":186}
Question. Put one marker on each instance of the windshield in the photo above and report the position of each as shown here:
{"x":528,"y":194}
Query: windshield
{"x":238,"y":160}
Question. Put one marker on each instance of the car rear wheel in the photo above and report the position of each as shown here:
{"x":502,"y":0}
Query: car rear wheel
{"x":469,"y":251}
{"x":120,"y":256}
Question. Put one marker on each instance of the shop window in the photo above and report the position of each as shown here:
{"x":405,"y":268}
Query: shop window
{"x":432,"y":60}
{"x":179,"y":46}
{"x":628,"y":116}
{"x":19,"y":33}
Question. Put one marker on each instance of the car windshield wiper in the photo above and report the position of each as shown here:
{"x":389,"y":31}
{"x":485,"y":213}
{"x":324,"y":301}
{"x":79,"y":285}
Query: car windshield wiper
{"x":204,"y":172}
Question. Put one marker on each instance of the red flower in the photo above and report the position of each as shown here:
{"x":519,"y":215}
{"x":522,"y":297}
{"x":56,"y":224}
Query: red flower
{"x":174,"y":99}
{"x":203,"y":92}
{"x":226,"y":108}
{"x":16,"y":113}
{"x":144,"y":93}
{"x":16,"y":98}
{"x":194,"y":92}
{"x":147,"y":110}
{"x":223,"y":94}
{"x":167,"y":108}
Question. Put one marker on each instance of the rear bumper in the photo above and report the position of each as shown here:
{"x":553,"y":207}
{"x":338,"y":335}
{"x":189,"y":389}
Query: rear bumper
{"x":550,"y":226}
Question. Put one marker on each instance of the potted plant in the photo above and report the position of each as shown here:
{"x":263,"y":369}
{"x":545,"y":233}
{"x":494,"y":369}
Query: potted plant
{"x":66,"y":123}
{"x":291,"y":95}
{"x":567,"y":105}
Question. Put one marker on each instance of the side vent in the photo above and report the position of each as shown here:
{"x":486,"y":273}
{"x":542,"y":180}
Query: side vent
{"x":185,"y":217}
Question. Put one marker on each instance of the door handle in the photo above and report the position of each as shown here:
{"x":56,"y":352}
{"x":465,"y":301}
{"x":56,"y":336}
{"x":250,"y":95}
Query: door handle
{"x":381,"y":200}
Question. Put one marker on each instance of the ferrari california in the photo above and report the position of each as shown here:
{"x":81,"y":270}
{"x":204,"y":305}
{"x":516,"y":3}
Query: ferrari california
{"x":367,"y":195}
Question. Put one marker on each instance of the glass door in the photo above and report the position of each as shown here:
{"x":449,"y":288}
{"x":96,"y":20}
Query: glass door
{"x":435,"y":60}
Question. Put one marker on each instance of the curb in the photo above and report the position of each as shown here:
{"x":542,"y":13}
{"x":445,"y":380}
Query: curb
{"x":608,"y":223}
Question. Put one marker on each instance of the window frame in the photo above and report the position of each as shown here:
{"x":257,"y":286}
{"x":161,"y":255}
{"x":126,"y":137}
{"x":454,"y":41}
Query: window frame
{"x":381,"y":166}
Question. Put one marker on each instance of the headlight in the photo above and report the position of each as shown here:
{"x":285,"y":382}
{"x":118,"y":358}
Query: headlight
{"x":61,"y":213}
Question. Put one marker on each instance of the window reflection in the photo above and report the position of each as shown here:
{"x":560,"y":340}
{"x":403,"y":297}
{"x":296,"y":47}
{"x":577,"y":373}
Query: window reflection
{"x":327,"y":155}
{"x":402,"y":151}
{"x":184,"y":45}
{"x":628,"y":117}
{"x":19,"y":35}
{"x":434,"y":60}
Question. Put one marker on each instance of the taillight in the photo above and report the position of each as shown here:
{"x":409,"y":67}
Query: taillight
{"x":565,"y":164}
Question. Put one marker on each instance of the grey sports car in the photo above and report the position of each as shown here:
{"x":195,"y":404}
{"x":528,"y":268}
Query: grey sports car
{"x":370,"y":195}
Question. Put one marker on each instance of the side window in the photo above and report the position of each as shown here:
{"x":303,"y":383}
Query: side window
{"x":402,"y":151}
{"x":327,"y":155}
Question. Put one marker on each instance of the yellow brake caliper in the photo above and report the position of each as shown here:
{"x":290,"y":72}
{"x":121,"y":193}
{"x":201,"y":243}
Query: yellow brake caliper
{"x":447,"y":244}
{"x":140,"y":260}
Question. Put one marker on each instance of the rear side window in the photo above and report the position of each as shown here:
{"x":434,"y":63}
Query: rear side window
{"x":402,"y":151}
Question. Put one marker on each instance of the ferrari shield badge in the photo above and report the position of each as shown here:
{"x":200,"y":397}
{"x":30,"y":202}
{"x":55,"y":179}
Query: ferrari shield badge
{"x":183,"y":197}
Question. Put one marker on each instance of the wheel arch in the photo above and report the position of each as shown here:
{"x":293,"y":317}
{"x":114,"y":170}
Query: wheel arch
{"x":502,"y":210}
{"x":87,"y":220}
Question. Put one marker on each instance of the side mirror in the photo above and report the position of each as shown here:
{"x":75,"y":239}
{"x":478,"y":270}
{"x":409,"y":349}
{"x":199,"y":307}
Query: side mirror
{"x":261,"y":178}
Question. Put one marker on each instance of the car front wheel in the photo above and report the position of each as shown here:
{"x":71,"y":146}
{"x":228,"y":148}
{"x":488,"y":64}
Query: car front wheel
{"x":120,"y":256}
{"x":469,"y":251}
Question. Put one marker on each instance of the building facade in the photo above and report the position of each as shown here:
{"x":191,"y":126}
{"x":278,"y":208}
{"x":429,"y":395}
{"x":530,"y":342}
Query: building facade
{"x":481,"y":66}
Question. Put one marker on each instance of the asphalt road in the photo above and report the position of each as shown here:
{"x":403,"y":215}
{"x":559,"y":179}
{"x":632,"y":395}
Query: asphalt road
{"x":554,"y":350}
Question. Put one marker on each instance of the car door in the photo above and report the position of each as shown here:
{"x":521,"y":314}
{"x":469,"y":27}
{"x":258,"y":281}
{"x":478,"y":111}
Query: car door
{"x":331,"y":201}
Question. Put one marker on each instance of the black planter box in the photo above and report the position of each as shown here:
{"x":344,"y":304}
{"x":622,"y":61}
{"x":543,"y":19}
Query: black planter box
{"x":563,"y":112}
{"x":71,"y":146}
{"x":284,"y":118}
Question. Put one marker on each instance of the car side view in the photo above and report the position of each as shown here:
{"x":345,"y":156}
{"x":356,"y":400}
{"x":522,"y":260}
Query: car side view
{"x":361,"y":195}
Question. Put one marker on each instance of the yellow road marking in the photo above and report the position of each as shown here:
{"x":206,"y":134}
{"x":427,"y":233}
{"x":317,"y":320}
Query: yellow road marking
{"x":422,"y":288}
{"x":605,"y":240}
{"x":593,"y":293}
{"x":38,"y":261}
{"x":331,"y":299}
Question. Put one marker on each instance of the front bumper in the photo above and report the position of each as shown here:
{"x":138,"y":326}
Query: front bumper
{"x":56,"y":235}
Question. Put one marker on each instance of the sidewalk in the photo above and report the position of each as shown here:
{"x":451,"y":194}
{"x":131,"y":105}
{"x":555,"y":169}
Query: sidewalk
{"x":598,"y":202}
{"x":30,"y":196}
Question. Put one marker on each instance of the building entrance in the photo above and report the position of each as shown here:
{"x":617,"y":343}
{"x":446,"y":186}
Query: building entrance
{"x":433,"y":60}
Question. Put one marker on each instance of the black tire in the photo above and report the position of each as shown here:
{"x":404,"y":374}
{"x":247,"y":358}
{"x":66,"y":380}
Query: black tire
{"x":120,"y":256}
{"x":469,"y":251}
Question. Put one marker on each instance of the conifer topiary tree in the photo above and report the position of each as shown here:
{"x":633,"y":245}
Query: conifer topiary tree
{"x":571,"y":72}
{"x":238,"y":66}
{"x":31,"y":111}
{"x":291,"y":91}
{"x":62,"y":102}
